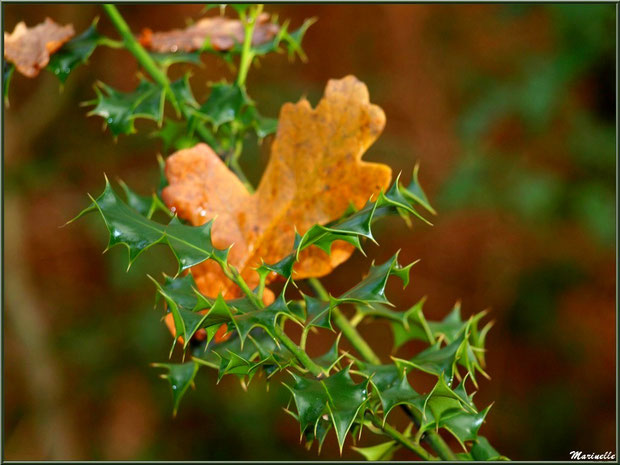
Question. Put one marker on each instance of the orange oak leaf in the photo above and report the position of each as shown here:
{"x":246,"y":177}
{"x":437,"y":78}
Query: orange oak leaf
{"x":222,"y":33}
{"x":315,"y":172}
{"x":30,"y":48}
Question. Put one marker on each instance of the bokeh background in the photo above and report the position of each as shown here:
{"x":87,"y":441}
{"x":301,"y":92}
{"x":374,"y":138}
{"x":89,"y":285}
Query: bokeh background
{"x":510,"y":110}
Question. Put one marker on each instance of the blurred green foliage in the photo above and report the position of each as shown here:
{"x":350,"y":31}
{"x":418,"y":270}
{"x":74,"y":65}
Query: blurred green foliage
{"x":537,"y":94}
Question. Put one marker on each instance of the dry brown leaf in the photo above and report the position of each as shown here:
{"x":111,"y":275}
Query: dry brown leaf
{"x":223,"y":34}
{"x":314,"y":173}
{"x":30,"y":48}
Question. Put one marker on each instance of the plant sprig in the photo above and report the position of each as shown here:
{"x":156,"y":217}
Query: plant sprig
{"x":336,"y":391}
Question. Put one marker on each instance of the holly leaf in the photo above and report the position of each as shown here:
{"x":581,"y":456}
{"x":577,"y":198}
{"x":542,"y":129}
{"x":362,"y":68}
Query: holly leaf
{"x":144,"y":204}
{"x":74,"y":53}
{"x":183,"y":291}
{"x":291,"y":40}
{"x":318,"y":313}
{"x":383,"y":451}
{"x":224,"y":104}
{"x":415,"y":193}
{"x":186,"y":322}
{"x":351,"y":227}
{"x":29,"y":49}
{"x":262,"y":225}
{"x":483,"y":451}
{"x":435,"y":360}
{"x":266,"y":318}
{"x":441,"y":404}
{"x":330,"y":358}
{"x":391,"y":385}
{"x":338,"y":396}
{"x":183,"y":91}
{"x":261,"y":125}
{"x":181,"y":377}
{"x":371,"y":289}
{"x":120,"y":109}
{"x":167,"y":59}
{"x":464,"y":426}
{"x":176,"y":135}
{"x":450,"y":327}
{"x":190,"y":245}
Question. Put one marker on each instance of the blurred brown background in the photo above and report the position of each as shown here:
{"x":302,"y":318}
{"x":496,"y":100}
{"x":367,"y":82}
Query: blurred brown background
{"x":510,"y":110}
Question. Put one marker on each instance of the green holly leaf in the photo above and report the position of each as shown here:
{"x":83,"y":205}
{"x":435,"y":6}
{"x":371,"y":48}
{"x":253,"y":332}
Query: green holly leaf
{"x":372,"y":288}
{"x":7,"y":74}
{"x":318,"y":313}
{"x":266,"y":318}
{"x":176,"y":135}
{"x":183,"y":91}
{"x":415,"y":193}
{"x":291,"y":40}
{"x":165,"y":60}
{"x":181,"y":377}
{"x":411,"y":325}
{"x":483,"y":451}
{"x":319,"y":433}
{"x":351,"y":227}
{"x":272,"y":357}
{"x":120,"y":109}
{"x":187,"y":322}
{"x":383,"y":451}
{"x":74,"y":53}
{"x":464,"y":426}
{"x":441,"y":404}
{"x":251,"y":119}
{"x":450,"y":327}
{"x":435,"y":360}
{"x":338,"y":396}
{"x":183,"y":291}
{"x":330,"y":359}
{"x":223,"y":105}
{"x":190,"y":245}
{"x":145,"y":205}
{"x":391,"y":385}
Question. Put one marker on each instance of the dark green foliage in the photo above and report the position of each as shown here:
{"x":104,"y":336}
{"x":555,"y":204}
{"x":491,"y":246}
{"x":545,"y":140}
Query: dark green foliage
{"x":181,"y":377}
{"x":120,"y":109}
{"x":333,"y":399}
{"x":535,"y":97}
{"x":337,"y":396}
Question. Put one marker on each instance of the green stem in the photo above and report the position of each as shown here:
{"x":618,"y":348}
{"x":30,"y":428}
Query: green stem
{"x":138,"y":51}
{"x":358,"y":342}
{"x":304,"y":359}
{"x":234,"y":275}
{"x":247,"y":55}
{"x":156,"y":73}
{"x":401,"y":438}
{"x":107,"y":42}
{"x":302,"y":356}
{"x":345,"y":326}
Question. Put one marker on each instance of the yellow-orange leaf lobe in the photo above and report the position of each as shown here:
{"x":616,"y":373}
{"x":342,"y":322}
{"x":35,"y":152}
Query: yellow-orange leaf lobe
{"x":314,"y":173}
